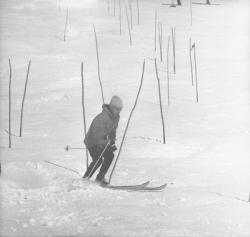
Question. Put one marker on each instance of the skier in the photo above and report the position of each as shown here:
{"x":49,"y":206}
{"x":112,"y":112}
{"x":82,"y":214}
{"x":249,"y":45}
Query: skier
{"x":101,"y":137}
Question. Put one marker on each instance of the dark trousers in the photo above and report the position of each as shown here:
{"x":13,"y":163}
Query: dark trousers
{"x":95,"y":153}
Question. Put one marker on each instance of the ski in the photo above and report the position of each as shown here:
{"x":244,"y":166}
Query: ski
{"x":126,"y":187}
{"x":155,"y":188}
{"x":140,"y":187}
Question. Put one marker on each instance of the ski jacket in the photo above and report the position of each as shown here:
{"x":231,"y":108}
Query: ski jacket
{"x":103,"y":125}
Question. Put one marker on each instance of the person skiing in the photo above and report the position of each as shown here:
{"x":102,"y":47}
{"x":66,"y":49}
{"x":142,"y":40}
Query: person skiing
{"x":100,"y":139}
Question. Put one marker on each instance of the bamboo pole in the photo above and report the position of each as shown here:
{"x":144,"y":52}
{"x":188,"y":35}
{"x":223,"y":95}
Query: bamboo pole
{"x":168,"y":70}
{"x":173,"y":43}
{"x":10,"y":103}
{"x":155,"y":27}
{"x":138,"y":12}
{"x":191,"y":12}
{"x":191,"y":63}
{"x":24,"y":94}
{"x":120,"y":17}
{"x":98,"y":65}
{"x":66,"y":24}
{"x":84,"y":114}
{"x":196,"y":77}
{"x":130,"y":38}
{"x":108,"y":5}
{"x":127,"y":125}
{"x":131,"y":13}
{"x":160,"y":38}
{"x":159,"y":92}
{"x":114,"y":6}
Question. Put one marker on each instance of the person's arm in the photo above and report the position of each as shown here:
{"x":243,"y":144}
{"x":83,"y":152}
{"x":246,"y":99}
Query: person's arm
{"x":112,"y":137}
{"x":112,"y":134}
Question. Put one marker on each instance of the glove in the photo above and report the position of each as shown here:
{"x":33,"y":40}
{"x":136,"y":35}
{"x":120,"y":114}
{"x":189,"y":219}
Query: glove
{"x":111,"y":137}
{"x":113,"y":147}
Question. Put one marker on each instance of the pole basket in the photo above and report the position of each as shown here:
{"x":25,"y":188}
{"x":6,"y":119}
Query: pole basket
{"x":66,"y":148}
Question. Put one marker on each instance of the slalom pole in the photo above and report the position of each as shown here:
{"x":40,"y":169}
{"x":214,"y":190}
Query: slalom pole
{"x":160,"y":38}
{"x":129,"y":31}
{"x":138,"y":12}
{"x":159,"y":93}
{"x":24,"y":94}
{"x":155,"y":28}
{"x":126,"y":129}
{"x":168,"y":70}
{"x":108,"y":5}
{"x":84,"y":114}
{"x":98,"y":64}
{"x":191,"y":12}
{"x":114,"y":6}
{"x":196,"y":77}
{"x":174,"y":50}
{"x":66,"y":24}
{"x":173,"y":43}
{"x":131,"y":14}
{"x":10,"y":104}
{"x":120,"y":17}
{"x":191,"y":63}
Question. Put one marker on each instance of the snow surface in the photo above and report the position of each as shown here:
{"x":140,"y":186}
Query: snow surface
{"x":205,"y":159}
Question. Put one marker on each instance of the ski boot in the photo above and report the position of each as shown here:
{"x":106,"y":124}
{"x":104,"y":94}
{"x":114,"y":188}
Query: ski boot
{"x":101,"y":180}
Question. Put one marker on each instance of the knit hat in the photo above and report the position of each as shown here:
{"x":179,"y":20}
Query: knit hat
{"x":116,"y":102}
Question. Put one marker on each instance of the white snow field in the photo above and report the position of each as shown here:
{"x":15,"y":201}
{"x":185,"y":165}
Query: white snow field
{"x":205,"y":160}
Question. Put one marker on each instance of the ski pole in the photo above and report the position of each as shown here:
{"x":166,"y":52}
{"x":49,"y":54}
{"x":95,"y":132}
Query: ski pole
{"x":62,"y":167}
{"x":67,"y":148}
{"x":99,"y":158}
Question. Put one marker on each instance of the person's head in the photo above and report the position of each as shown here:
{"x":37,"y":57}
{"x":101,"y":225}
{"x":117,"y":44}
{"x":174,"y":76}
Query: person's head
{"x":116,"y":105}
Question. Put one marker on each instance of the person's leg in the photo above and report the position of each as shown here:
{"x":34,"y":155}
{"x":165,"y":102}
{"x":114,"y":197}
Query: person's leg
{"x":95,"y":154}
{"x":95,"y":167}
{"x":108,"y":158}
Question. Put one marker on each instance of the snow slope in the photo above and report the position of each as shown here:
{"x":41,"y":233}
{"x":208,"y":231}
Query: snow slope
{"x":205,"y":159}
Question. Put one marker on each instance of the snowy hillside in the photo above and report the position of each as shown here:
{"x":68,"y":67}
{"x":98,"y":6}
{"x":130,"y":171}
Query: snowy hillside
{"x":205,"y":160}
